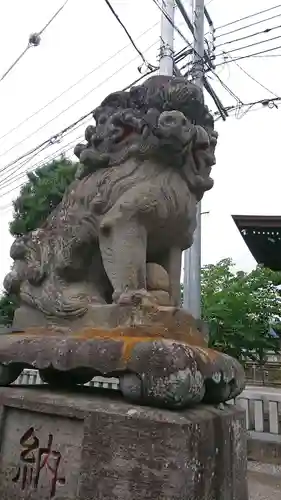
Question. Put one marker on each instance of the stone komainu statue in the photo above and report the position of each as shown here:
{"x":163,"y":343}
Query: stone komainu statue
{"x":145,"y":165}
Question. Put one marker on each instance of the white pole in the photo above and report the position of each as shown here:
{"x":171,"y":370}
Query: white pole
{"x":166,"y":62}
{"x":192,"y":257}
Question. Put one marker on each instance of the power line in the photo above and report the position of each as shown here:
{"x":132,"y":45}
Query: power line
{"x":42,"y":162}
{"x":248,"y":55}
{"x":172,"y":23}
{"x":21,"y":174}
{"x":248,"y":17}
{"x":17,"y":166}
{"x":96,"y":68}
{"x":183,"y":12}
{"x":248,"y":26}
{"x":228,"y":89}
{"x":53,"y":17}
{"x":62,"y":150}
{"x":13,"y":189}
{"x":203,"y":59}
{"x":209,"y":90}
{"x":15,"y":62}
{"x":265,"y":102}
{"x":269,"y":55}
{"x":149,"y":66}
{"x":54,"y":138}
{"x":64,"y":132}
{"x":70,"y":106}
{"x":267,"y":30}
{"x":249,"y":45}
{"x":163,"y":11}
{"x":34,"y":41}
{"x":254,"y":79}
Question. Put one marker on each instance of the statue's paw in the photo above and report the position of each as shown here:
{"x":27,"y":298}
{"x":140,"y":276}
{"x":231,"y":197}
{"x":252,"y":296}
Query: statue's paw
{"x":224,"y":376}
{"x":176,"y":375}
{"x":163,"y":373}
{"x":12,"y":282}
{"x":179,"y":390}
{"x":35,"y":274}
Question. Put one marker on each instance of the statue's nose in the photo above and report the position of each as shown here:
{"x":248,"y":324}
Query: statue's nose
{"x":172,"y":118}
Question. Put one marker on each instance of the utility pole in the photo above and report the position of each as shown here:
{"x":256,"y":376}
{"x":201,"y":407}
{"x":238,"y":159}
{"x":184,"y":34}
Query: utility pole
{"x":166,"y":63}
{"x":192,"y":256}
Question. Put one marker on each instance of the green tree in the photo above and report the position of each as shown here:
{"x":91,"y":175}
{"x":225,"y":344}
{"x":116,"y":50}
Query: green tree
{"x":8,"y":304}
{"x":42,"y":192}
{"x":240,"y":309}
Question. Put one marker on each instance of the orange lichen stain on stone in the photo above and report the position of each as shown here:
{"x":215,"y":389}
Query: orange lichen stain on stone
{"x":145,"y":331}
{"x":207,"y":354}
{"x":118,"y":333}
{"x":128,"y":335}
{"x":129,"y":344}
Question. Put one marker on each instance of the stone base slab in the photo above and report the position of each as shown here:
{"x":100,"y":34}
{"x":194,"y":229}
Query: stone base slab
{"x":152,"y":369}
{"x":171,"y":322}
{"x":263,"y":447}
{"x":159,"y":353}
{"x":80,"y":447}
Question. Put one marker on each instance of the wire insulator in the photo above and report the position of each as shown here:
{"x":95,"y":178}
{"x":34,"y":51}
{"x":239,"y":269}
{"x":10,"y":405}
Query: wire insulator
{"x":34,"y":39}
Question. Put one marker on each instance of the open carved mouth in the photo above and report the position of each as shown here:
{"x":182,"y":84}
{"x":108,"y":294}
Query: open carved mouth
{"x":127,"y":130}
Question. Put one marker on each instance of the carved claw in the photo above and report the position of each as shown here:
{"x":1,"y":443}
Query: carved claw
{"x":19,"y":248}
{"x":12,"y":282}
{"x":134,"y":297}
{"x":35,"y":275}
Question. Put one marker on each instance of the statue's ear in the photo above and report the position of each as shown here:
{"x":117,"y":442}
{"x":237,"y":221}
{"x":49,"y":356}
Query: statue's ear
{"x":89,"y":132}
{"x":78,"y":150}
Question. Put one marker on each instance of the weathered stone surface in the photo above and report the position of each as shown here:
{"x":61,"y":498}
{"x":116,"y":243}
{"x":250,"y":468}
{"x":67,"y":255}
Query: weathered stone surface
{"x":157,"y":277}
{"x":144,"y":168}
{"x":264,"y":449}
{"x":162,"y":298}
{"x":105,"y":449}
{"x":173,"y":322}
{"x":90,"y":280}
{"x":169,"y":365}
{"x":21,"y":429}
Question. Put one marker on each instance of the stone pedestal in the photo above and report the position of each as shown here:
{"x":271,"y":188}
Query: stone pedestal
{"x":83,"y":447}
{"x":158,"y":353}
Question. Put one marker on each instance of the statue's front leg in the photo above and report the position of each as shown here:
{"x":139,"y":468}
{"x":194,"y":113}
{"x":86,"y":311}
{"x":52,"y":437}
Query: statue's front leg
{"x":123,"y":248}
{"x":172,"y":264}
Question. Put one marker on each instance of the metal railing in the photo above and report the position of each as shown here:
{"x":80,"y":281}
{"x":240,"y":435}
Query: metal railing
{"x":263,"y":414}
{"x":268,"y":375}
{"x":32,"y":377}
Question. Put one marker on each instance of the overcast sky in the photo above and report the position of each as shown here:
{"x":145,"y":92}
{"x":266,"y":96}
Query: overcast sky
{"x":84,"y":35}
